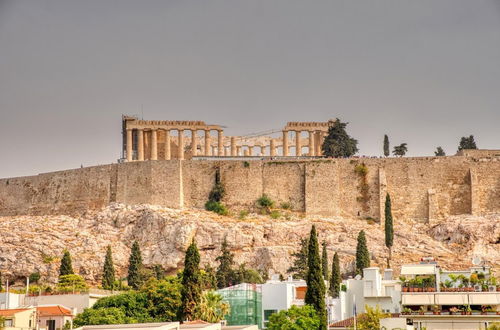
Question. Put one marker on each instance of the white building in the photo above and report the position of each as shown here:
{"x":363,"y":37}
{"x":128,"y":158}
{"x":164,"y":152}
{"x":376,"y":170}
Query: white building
{"x":281,"y":295}
{"x":11,"y":300}
{"x":372,"y":290}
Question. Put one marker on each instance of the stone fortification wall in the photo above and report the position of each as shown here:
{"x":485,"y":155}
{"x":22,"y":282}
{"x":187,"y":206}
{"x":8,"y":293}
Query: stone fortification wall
{"x":420,"y":188}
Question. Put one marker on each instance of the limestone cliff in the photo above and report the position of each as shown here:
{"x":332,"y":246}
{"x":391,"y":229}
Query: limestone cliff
{"x":34,"y":243}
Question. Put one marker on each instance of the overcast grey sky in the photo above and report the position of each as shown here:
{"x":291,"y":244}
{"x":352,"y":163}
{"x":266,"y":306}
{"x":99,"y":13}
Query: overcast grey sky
{"x":425,"y":72}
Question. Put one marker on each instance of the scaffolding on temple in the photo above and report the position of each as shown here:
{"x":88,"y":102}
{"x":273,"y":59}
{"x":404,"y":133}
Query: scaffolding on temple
{"x":245,"y":301}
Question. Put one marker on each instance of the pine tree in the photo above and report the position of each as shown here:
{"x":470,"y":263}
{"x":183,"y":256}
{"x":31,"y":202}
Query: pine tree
{"x":324,"y":261}
{"x":135,"y":267}
{"x":338,"y":143}
{"x":362,"y":254}
{"x":335,"y":280}
{"x":66,"y":267}
{"x":108,"y":273}
{"x":388,"y":228}
{"x":191,"y":283}
{"x":467,"y":143}
{"x":400,"y":150}
{"x":225,"y":270}
{"x":315,"y":294}
{"x":439,"y":152}
{"x":386,"y":146}
{"x":299,"y":267}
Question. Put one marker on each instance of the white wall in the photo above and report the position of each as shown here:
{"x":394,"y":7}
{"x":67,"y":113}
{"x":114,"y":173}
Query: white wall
{"x":71,"y":301}
{"x":13,"y":300}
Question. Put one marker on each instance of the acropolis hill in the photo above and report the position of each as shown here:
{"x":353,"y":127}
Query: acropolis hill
{"x":156,"y":193}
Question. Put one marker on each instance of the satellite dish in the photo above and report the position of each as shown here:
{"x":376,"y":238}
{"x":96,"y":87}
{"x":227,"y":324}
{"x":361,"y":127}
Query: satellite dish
{"x":358,"y":277}
{"x":476,"y":261}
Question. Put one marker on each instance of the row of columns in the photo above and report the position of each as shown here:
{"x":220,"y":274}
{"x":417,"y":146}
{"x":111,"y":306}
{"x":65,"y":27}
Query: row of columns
{"x":315,"y":142}
{"x":316,"y":139}
{"x":154,"y":143}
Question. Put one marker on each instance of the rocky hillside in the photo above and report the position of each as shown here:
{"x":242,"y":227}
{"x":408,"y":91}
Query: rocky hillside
{"x":34,"y":243}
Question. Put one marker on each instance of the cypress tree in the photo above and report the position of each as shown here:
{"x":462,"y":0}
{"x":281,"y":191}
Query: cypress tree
{"x":299,"y":267}
{"x":362,"y":254}
{"x":108,"y":273}
{"x":386,"y":146}
{"x":159,"y":272}
{"x":324,"y":261}
{"x":315,"y":295}
{"x":66,"y":267}
{"x":225,"y":270}
{"x":389,"y":230}
{"x":335,"y":280}
{"x":191,"y":283}
{"x":134,"y":266}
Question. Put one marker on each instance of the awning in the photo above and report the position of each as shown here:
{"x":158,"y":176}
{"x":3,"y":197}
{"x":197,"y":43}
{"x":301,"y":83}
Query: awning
{"x":484,"y":298}
{"x":417,"y":299}
{"x":451,"y":299}
{"x":418,"y":270}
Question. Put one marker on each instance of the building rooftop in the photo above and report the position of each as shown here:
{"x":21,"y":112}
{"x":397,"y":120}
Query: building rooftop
{"x":56,"y":310}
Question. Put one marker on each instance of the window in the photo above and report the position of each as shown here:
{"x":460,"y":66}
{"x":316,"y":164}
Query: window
{"x":8,"y":323}
{"x":267,"y":314}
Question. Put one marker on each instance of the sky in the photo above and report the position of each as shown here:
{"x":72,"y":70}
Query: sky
{"x":423,"y":72}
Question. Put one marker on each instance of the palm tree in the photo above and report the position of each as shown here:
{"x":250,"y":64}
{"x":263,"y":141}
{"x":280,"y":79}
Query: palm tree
{"x":211,"y":307}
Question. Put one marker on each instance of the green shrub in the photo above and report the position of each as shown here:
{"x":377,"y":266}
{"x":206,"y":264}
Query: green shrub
{"x":71,"y":283}
{"x":265,"y":202}
{"x":286,"y":206}
{"x":216,"y":207}
{"x":246,"y":164}
{"x":243,"y":214}
{"x":275,"y":214}
{"x":361,"y":169}
{"x":34,"y":277}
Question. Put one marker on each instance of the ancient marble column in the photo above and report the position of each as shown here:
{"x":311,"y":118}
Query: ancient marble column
{"x":154,"y":144}
{"x":233,"y":146}
{"x":140,"y":144}
{"x":285,"y":143}
{"x":238,"y":150}
{"x":207,"y":143}
{"x":312,"y":145}
{"x":246,"y":152}
{"x":272,"y":147}
{"x":317,"y":138}
{"x":129,"y":145}
{"x":219,"y":143}
{"x":168,"y":155}
{"x":226,"y":151}
{"x":194,"y":143}
{"x":180,"y":144}
{"x":298,"y":148}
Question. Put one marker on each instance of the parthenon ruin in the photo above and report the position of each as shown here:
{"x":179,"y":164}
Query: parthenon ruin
{"x":153,"y":140}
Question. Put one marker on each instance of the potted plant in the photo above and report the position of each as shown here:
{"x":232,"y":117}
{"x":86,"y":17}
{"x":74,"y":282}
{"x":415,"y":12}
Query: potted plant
{"x":484,"y":310}
{"x":406,"y":311}
{"x":466,"y":310}
{"x":436,"y":310}
{"x":421,"y":310}
{"x":453,"y":310}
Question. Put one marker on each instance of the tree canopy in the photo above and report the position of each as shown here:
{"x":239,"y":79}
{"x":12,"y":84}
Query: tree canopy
{"x":439,"y":152}
{"x":225,"y":270}
{"x":191,"y":283}
{"x":315,"y":294}
{"x":336,"y":279}
{"x":400,"y":150}
{"x":299,"y":266}
{"x":108,"y":273}
{"x":386,"y":146}
{"x":295,"y":318}
{"x":338,"y":143}
{"x":362,"y":254}
{"x":66,"y":267}
{"x":135,"y":267}
{"x":467,"y":143}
